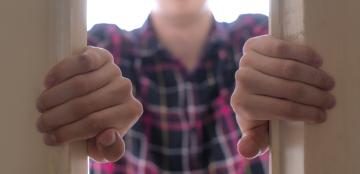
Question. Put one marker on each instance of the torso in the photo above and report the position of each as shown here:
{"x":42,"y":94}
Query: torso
{"x":188,"y":124}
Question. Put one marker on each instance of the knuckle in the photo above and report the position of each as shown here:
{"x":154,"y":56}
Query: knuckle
{"x":243,"y":79}
{"x":136,"y":108}
{"x":123,"y":85}
{"x":234,"y":101}
{"x":87,"y":60}
{"x":245,"y":111}
{"x":139,"y":108}
{"x":291,"y":70}
{"x":127,"y":84}
{"x":238,"y":75}
{"x":116,"y":69}
{"x":120,"y":87}
{"x":245,"y":60}
{"x":239,"y":103}
{"x":241,"y":75}
{"x":280,"y":48}
{"x":246,"y":115}
{"x":249,"y":44}
{"x":106,"y":55}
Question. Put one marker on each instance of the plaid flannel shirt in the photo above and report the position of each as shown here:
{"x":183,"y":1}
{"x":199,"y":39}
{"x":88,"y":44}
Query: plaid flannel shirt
{"x":188,"y":125}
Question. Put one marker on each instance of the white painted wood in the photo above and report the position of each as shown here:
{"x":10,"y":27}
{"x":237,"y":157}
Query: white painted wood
{"x":332,"y":28}
{"x":34,"y":35}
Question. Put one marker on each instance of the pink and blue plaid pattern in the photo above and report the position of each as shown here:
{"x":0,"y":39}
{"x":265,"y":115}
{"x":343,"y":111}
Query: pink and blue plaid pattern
{"x":188,"y":125}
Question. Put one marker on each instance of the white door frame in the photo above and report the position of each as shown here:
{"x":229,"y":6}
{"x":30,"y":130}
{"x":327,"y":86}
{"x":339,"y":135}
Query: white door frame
{"x":332,"y":28}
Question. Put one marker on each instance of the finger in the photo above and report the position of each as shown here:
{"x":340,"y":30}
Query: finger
{"x":111,"y":145}
{"x":273,"y":47}
{"x":91,"y":59}
{"x":77,"y":86}
{"x":113,"y":94}
{"x":93,"y":151}
{"x":262,"y":84}
{"x":255,"y":107}
{"x":289,"y":70}
{"x":254,"y":141}
{"x":113,"y":149}
{"x":121,"y":117}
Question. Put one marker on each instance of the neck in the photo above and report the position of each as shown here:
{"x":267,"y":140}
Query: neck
{"x":184,"y":36}
{"x":181,"y":21}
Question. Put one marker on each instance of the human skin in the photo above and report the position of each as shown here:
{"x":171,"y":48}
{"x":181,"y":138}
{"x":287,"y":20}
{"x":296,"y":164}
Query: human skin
{"x":278,"y":80}
{"x":86,"y":98}
{"x":182,"y":27}
{"x":288,"y":71}
{"x":81,"y":100}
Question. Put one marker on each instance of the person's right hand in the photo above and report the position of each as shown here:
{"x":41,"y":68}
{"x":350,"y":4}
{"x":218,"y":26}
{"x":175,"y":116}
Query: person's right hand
{"x":277,"y":80}
{"x":86,"y":98}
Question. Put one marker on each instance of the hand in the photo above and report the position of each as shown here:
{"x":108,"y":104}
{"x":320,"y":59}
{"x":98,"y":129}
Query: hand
{"x":86,"y":98}
{"x":277,"y":80}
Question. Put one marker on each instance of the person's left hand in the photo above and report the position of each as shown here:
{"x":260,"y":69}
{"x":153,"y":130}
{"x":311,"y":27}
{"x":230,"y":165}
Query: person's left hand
{"x":278,"y":80}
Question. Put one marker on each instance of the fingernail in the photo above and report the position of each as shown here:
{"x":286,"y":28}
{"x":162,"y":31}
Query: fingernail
{"x":108,"y":140}
{"x":50,"y":82}
{"x":318,"y":62}
{"x":322,"y":117}
{"x":39,"y":106}
{"x":262,"y":151}
{"x":50,"y":139}
{"x":331,"y":103}
{"x":39,"y":125}
{"x":330,"y":83}
{"x":317,"y":119}
{"x":248,"y":148}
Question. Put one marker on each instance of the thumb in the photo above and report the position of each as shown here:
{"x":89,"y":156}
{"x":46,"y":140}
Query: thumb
{"x":254,"y":141}
{"x":110,"y":144}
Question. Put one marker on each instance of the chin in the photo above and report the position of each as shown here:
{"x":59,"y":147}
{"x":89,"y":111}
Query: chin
{"x":181,"y":7}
